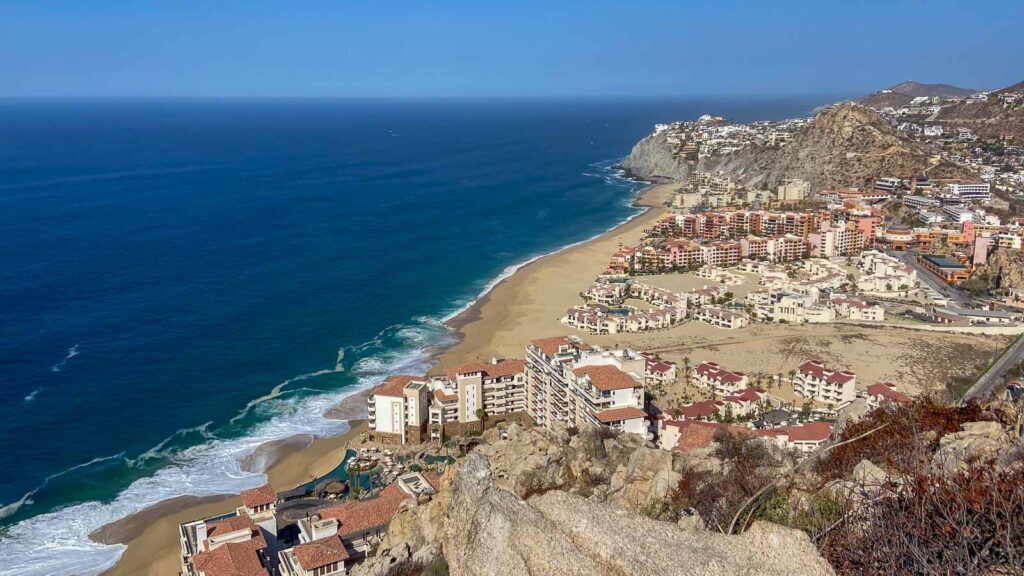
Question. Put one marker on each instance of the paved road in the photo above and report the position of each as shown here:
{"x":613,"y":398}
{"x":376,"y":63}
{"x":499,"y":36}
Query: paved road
{"x":957,"y":298}
{"x":991,"y":380}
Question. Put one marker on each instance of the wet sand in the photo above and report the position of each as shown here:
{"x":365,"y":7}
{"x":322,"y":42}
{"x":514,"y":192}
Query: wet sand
{"x":152,"y":534}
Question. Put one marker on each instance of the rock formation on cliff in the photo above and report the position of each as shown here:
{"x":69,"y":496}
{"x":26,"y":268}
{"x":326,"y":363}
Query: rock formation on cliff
{"x":546,"y":503}
{"x":1004,"y":269}
{"x":845,"y":145}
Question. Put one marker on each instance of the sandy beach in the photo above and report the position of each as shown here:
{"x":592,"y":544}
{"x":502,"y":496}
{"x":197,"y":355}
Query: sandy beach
{"x":151,"y":535}
{"x":528,"y":304}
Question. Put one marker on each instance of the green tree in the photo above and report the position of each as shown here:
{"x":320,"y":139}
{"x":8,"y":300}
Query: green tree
{"x":805,"y":411}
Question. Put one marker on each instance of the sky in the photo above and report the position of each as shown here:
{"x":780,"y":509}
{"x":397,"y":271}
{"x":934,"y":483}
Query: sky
{"x":321,"y":48}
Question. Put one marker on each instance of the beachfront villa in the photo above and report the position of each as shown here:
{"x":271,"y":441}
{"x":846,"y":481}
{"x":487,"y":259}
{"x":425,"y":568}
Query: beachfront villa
{"x":238,"y":544}
{"x":335,"y":538}
{"x":721,"y":318}
{"x":398,"y":409}
{"x":816,"y":381}
{"x":415,"y":409}
{"x":573,"y":384}
{"x":882,"y":393}
{"x":722,"y":381}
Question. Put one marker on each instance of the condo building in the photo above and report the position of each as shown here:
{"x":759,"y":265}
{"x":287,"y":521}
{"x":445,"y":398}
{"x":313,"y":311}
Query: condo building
{"x":573,"y":384}
{"x":238,"y":544}
{"x":816,"y":381}
{"x":722,"y":381}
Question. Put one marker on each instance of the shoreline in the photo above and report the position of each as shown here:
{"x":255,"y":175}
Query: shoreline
{"x":487,"y":327}
{"x":150,"y":535}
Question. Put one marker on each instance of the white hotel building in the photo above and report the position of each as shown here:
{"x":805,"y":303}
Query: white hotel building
{"x":574,"y":384}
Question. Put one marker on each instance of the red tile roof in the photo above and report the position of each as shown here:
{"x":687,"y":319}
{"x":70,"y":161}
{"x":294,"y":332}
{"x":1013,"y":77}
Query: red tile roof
{"x":319,"y":553}
{"x":444,"y":397}
{"x":606,"y":377}
{"x":620,"y":414}
{"x":259,"y":496}
{"x":365,"y":515}
{"x":219,"y":527}
{"x":233,"y":559}
{"x":887,"y":390}
{"x":550,"y":346}
{"x":701,"y":409}
{"x":810,"y":432}
{"x":395,"y":385}
{"x":716,"y":372}
{"x":817,"y":369}
{"x":694,"y":435}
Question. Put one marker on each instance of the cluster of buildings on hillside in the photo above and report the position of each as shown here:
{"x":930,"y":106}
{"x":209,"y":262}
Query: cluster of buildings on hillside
{"x":712,"y":135}
{"x":257,"y":539}
{"x":562,"y":383}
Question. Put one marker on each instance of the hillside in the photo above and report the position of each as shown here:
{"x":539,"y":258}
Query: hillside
{"x":991,"y":119}
{"x":845,"y":145}
{"x":902,"y":93}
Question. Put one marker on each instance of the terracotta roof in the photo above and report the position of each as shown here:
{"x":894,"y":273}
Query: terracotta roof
{"x":887,"y":391}
{"x":716,"y":372}
{"x":660,"y":367}
{"x":395,"y":385}
{"x":364,"y":515}
{"x":817,"y":369}
{"x":219,"y":527}
{"x":606,"y":377}
{"x":694,"y":435}
{"x":233,"y":559}
{"x":747,"y":395}
{"x":550,"y":346}
{"x":319,"y":553}
{"x":444,"y":397}
{"x":810,"y":432}
{"x":620,"y":414}
{"x":701,"y":409}
{"x":259,"y":496}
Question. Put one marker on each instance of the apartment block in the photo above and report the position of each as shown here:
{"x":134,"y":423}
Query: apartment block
{"x":816,"y":381}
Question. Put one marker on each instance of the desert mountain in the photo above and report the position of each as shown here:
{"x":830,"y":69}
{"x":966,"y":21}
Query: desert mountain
{"x":845,"y":145}
{"x":1002,"y":114}
{"x":902,"y":93}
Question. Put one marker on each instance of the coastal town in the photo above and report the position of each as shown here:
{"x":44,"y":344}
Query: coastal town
{"x":909,"y":253}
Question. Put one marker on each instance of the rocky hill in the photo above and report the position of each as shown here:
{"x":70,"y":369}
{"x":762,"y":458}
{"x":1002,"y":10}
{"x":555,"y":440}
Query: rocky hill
{"x":991,"y":119}
{"x":1004,"y":269}
{"x":845,"y":145}
{"x":902,"y":93}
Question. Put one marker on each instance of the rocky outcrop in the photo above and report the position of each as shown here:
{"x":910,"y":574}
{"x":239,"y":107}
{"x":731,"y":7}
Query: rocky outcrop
{"x":990,"y":119}
{"x":489,"y":530}
{"x":546,"y":503}
{"x":977,"y":441}
{"x":845,"y":145}
{"x":1004,"y":269}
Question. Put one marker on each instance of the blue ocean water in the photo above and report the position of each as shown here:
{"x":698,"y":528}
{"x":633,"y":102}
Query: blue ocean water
{"x":183,"y":280}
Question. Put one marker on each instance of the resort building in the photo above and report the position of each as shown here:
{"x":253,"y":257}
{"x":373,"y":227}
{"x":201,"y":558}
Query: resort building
{"x":951,"y":271}
{"x":573,"y":384}
{"x":335,"y":538}
{"x":237,"y":544}
{"x":882,"y":393}
{"x":721,"y":318}
{"x":816,"y":381}
{"x":831,"y":240}
{"x":398,"y":409}
{"x":467,"y":392}
{"x":803,"y":438}
{"x":722,"y":381}
{"x":857,"y":309}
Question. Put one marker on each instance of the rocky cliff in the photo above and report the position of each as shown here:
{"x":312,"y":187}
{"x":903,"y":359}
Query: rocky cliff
{"x":546,"y":503}
{"x":845,"y":145}
{"x":1004,"y":269}
{"x":991,"y":119}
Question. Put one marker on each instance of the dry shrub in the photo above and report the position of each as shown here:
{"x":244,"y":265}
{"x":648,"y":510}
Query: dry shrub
{"x":967,"y":523}
{"x":911,"y":432}
{"x":717,"y":497}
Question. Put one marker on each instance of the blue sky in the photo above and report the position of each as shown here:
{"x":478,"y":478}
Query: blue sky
{"x":496,"y":48}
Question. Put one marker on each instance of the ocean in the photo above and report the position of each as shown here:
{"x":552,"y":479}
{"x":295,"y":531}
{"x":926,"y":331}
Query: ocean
{"x":183,"y":280}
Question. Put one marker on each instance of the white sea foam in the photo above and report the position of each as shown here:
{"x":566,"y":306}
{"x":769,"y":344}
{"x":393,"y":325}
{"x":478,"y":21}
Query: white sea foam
{"x":28,"y":398}
{"x":58,"y":542}
{"x":71,"y":353}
